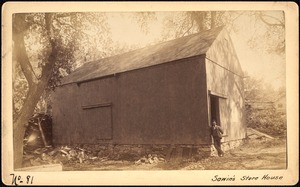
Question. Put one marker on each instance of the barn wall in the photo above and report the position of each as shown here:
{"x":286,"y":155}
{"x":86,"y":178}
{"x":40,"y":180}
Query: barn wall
{"x":164,"y":104}
{"x":83,"y":113}
{"x":223,"y":53}
{"x":97,"y":103}
{"x":224,"y":78}
{"x":66,"y":114}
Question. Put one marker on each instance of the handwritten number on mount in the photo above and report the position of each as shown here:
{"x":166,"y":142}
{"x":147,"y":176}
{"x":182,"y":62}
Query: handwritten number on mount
{"x":17,"y":179}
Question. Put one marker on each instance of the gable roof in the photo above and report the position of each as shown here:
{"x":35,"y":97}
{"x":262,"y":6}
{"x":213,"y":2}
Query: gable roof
{"x":184,"y":47}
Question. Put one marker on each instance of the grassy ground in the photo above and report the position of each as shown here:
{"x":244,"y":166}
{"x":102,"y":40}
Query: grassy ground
{"x":254,"y":154}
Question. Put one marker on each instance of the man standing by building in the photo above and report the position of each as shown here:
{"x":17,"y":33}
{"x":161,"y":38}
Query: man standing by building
{"x":217,"y":132}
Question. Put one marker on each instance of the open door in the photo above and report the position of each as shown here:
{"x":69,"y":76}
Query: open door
{"x":214,"y":109}
{"x":219,"y":112}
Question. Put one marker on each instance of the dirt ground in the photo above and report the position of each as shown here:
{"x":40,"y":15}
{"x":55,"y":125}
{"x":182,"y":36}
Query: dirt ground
{"x":254,"y":154}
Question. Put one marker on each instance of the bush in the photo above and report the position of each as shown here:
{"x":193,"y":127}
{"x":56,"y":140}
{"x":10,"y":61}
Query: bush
{"x":268,"y":121}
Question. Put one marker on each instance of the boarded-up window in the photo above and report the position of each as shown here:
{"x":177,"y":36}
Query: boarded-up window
{"x":98,"y":119}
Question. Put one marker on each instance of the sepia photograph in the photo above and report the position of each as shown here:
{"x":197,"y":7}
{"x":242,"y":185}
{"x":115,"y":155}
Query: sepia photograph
{"x":139,"y":95}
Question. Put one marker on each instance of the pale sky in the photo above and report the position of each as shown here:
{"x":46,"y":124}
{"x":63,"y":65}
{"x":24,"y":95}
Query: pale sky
{"x":126,"y":30}
{"x":260,"y":65}
{"x":267,"y":66}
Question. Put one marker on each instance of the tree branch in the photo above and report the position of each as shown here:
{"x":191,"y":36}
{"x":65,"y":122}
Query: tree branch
{"x":47,"y":69}
{"x":213,"y":19}
{"x":239,"y":15}
{"x":66,"y":24}
{"x":188,"y":28}
{"x":22,"y":57}
{"x":49,"y":29}
{"x":63,"y":15}
{"x":261,"y":16}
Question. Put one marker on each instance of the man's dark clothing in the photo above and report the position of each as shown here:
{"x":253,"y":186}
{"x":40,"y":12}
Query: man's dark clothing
{"x":216,"y":133}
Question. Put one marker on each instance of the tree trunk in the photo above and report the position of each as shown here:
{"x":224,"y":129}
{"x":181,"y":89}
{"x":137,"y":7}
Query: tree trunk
{"x":36,"y":86}
{"x":32,"y":98}
{"x":25,"y":114}
{"x":199,"y":18}
{"x":213,"y":20}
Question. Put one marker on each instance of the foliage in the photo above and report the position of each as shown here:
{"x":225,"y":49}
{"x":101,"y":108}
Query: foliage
{"x":268,"y":121}
{"x":77,"y":40}
{"x":20,"y":89}
{"x":268,"y":27}
{"x":258,"y":90}
{"x":76,"y":36}
{"x":268,"y":31}
{"x":264,"y":118}
{"x":143,"y":19}
{"x":45,"y":47}
{"x":179,"y":24}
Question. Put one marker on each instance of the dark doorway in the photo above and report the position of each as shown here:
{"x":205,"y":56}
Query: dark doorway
{"x":214,"y":109}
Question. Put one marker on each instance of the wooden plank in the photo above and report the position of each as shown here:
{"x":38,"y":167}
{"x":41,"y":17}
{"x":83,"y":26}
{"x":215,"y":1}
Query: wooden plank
{"x":218,"y":94}
{"x":260,"y":133}
{"x":42,"y":132}
{"x":95,"y":106}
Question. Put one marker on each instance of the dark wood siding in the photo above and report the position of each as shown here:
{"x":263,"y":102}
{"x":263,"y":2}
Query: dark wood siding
{"x":96,"y":98}
{"x":163,"y":104}
{"x":99,"y":121}
{"x":66,"y":115}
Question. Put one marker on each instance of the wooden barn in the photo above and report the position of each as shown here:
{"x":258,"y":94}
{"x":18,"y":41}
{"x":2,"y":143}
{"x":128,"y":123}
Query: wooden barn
{"x":162,"y":94}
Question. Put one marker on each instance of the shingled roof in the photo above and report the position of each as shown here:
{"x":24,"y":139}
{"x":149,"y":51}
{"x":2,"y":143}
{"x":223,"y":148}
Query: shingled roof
{"x":184,"y":47}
